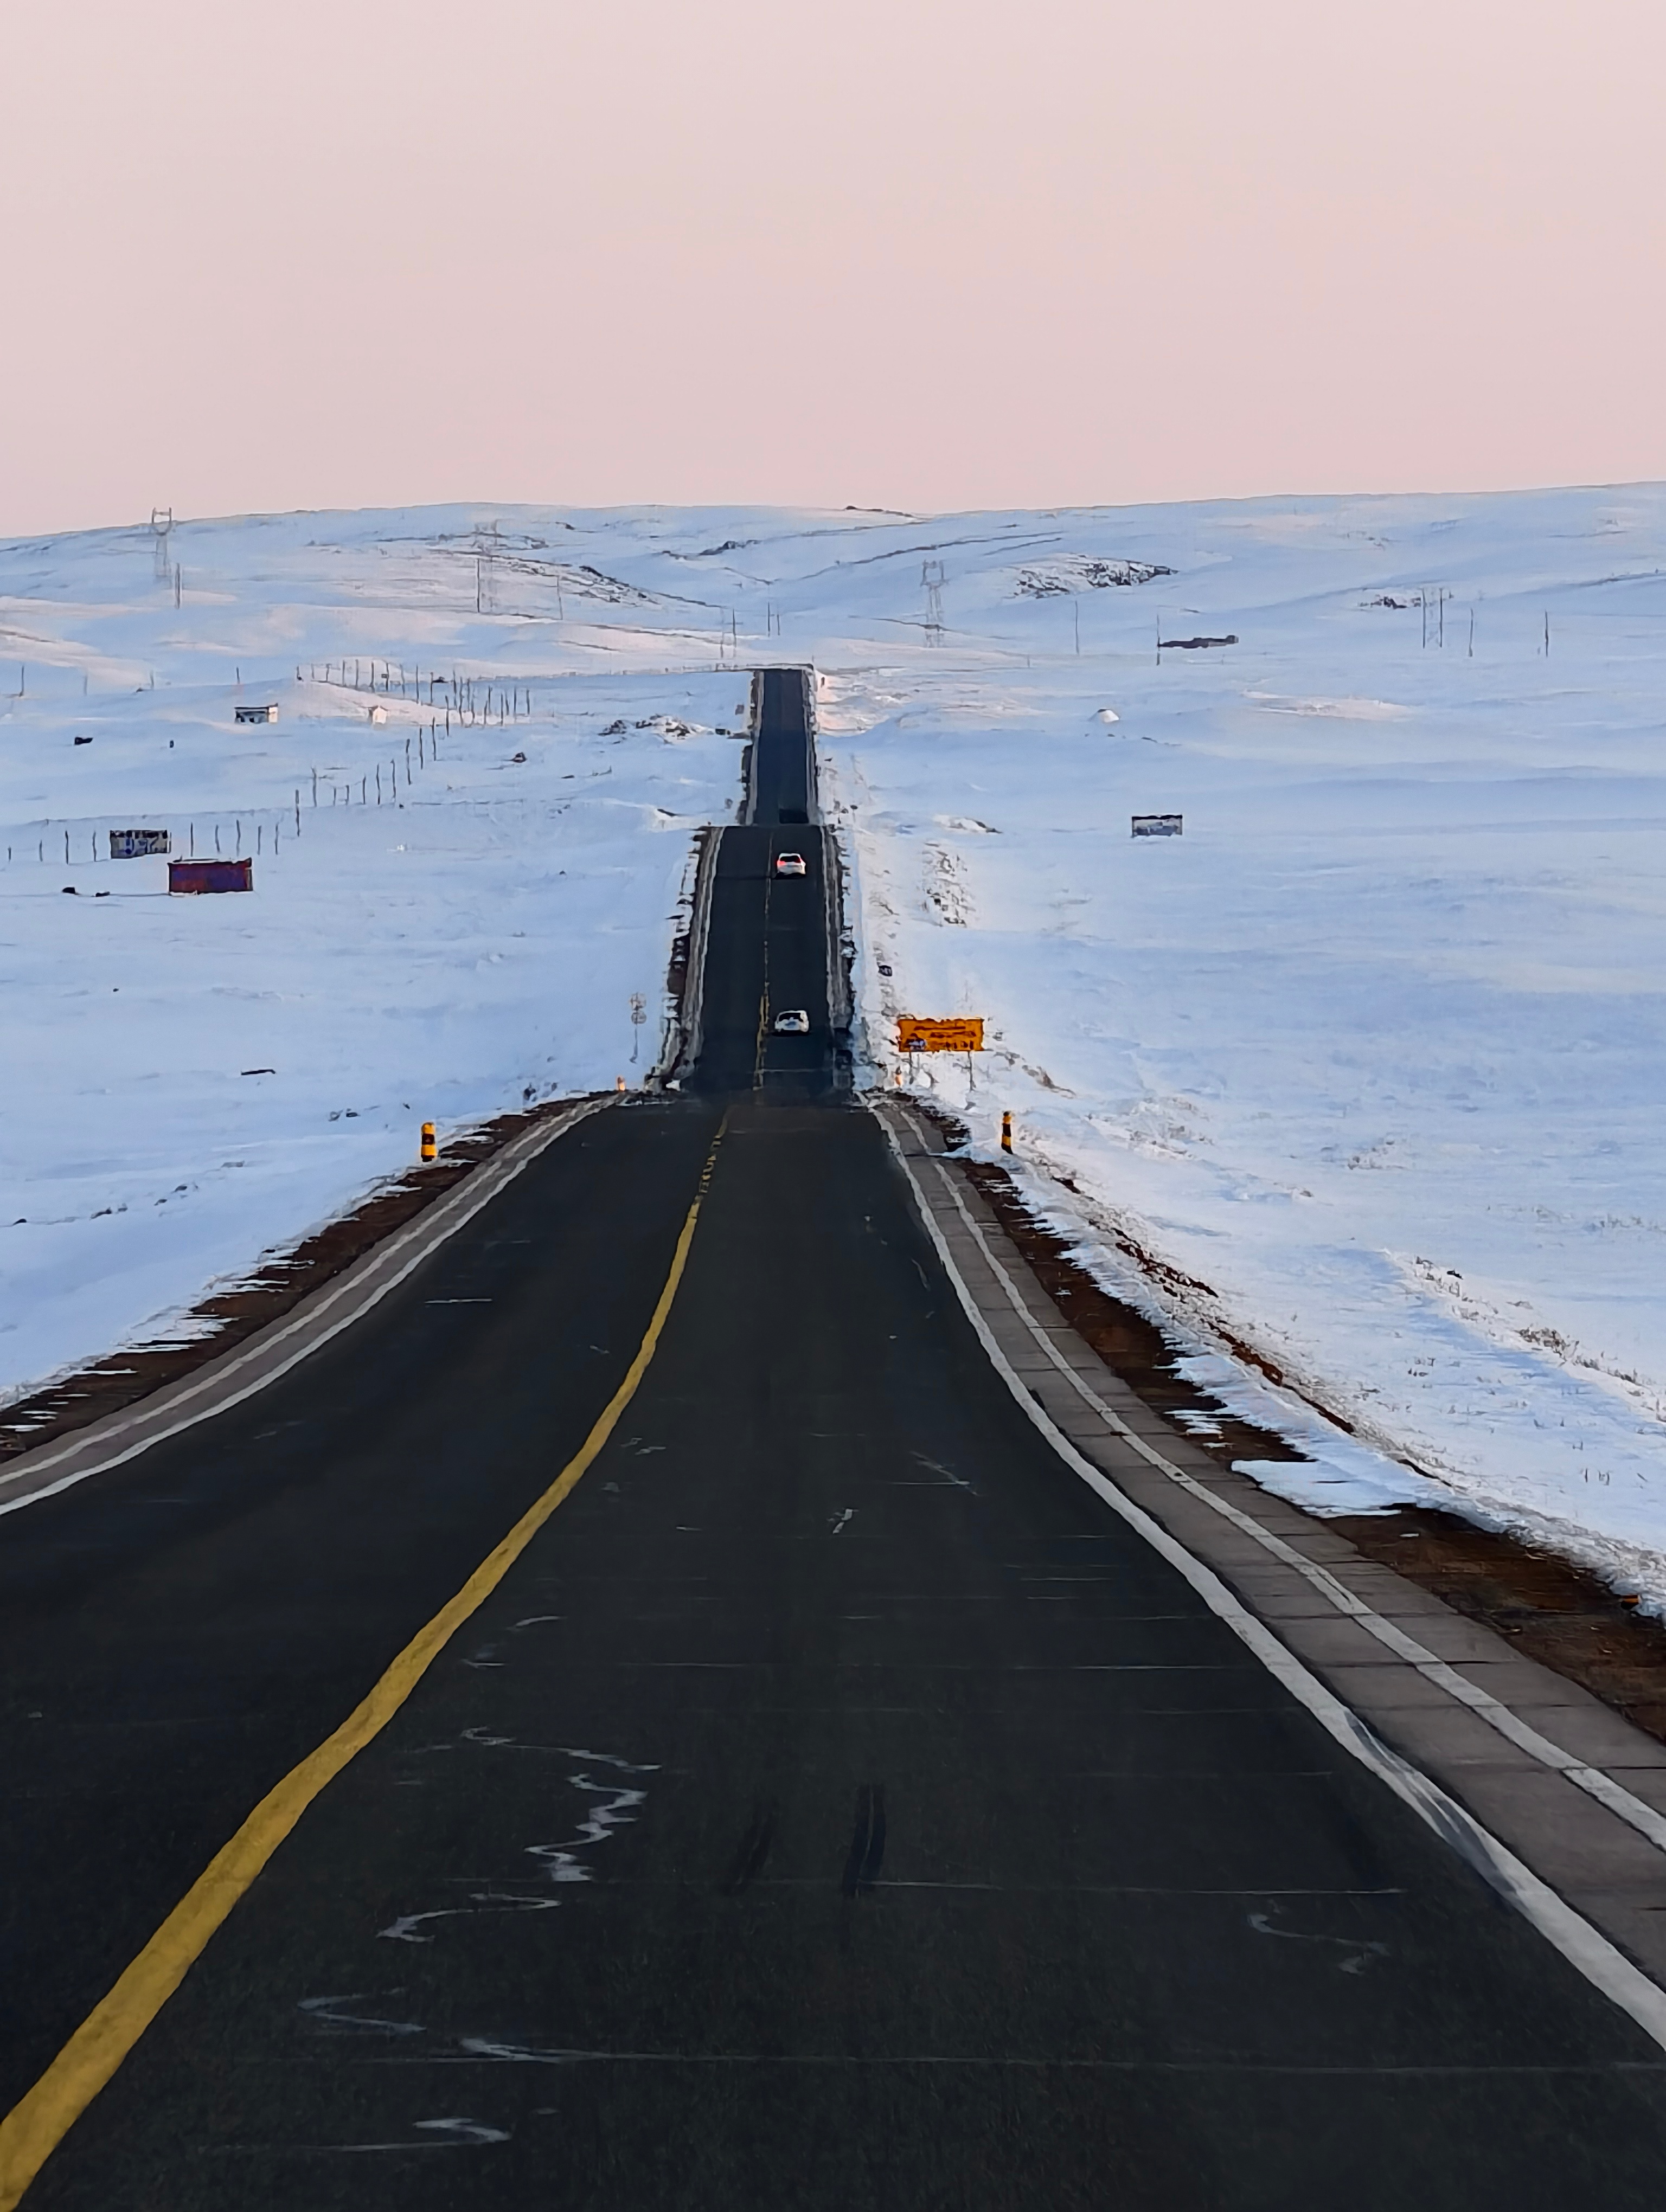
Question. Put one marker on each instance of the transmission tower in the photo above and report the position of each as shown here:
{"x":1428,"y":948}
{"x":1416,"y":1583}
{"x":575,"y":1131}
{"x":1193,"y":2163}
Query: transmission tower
{"x":931,"y":577}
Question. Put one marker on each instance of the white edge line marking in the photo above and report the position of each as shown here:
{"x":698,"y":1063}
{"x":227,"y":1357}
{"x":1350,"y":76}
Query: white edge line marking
{"x":1591,"y":1779}
{"x":1584,"y":1947}
{"x":478,"y":1191}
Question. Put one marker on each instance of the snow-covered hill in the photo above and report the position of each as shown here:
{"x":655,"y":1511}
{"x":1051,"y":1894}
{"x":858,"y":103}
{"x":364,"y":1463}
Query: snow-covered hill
{"x":1371,"y":1057}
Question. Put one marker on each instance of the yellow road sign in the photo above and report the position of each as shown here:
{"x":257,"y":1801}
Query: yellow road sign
{"x":923,"y":1033}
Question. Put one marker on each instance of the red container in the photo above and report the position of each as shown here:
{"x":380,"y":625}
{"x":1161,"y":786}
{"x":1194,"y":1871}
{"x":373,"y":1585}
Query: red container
{"x":210,"y":875}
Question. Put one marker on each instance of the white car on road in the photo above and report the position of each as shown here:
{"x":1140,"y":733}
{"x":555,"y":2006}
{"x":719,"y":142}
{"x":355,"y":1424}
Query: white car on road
{"x":790,"y":864}
{"x":792,"y":1021}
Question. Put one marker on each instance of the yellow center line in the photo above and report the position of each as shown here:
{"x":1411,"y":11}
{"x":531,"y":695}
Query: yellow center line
{"x":763,"y":995}
{"x":35,"y":2126}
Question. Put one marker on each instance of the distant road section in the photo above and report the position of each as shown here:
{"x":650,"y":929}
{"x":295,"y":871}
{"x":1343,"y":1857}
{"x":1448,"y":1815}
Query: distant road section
{"x":768,"y":946}
{"x":783,"y":768}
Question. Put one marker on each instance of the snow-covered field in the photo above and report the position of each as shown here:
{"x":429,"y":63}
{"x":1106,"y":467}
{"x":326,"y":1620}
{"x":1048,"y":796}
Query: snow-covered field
{"x":1375,"y":1052}
{"x":188,"y":1081}
{"x":1373,"y":1055}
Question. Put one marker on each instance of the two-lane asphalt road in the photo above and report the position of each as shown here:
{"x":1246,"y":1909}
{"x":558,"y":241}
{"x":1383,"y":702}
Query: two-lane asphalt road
{"x":832,"y":1805}
{"x":769,"y":936}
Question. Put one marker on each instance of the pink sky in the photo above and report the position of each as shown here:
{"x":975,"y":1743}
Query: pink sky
{"x":905,"y":252}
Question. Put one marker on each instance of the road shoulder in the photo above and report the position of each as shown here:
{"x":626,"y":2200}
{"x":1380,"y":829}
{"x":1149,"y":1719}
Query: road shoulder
{"x":1566,"y":1784}
{"x":226,"y":1381}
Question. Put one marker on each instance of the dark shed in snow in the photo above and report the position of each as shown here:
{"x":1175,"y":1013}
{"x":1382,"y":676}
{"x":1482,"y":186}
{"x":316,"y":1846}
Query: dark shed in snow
{"x":210,"y":875}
